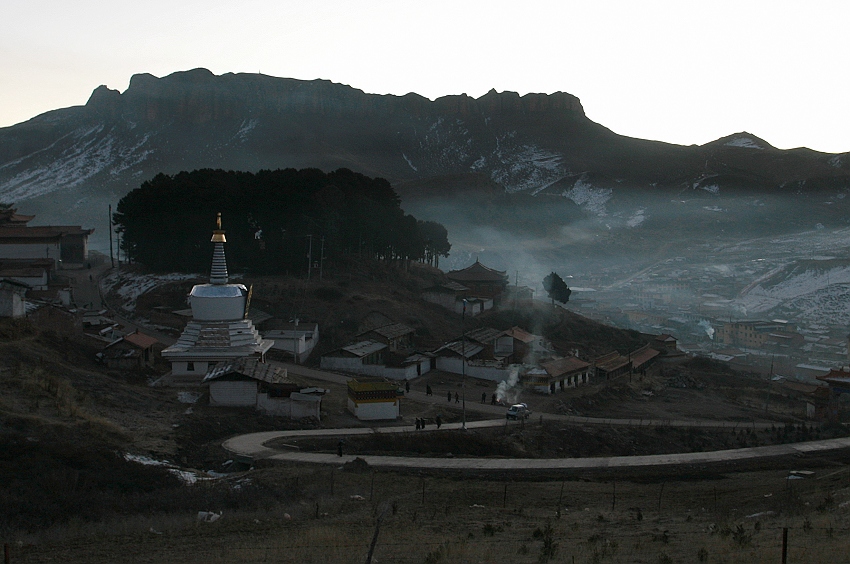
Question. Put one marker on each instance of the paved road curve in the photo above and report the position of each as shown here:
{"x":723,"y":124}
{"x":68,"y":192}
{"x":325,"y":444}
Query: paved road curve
{"x":252,"y":446}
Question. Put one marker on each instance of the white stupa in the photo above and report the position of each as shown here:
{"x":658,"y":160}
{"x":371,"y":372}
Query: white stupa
{"x":220,"y":330}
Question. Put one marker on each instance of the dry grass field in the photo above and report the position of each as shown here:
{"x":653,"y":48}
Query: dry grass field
{"x":332,"y":514}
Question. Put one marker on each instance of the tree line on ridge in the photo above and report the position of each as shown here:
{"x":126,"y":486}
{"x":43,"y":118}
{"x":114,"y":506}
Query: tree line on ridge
{"x":271,"y":218}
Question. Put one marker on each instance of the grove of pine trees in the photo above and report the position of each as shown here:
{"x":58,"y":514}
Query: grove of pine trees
{"x":166,"y":223}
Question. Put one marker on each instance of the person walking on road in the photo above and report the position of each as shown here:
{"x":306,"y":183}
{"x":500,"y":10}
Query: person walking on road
{"x":339,"y":447}
{"x":483,"y":397}
{"x":439,"y":421}
{"x":428,"y":391}
{"x":450,"y":397}
{"x":407,"y":386}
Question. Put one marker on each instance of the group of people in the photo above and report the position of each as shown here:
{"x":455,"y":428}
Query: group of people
{"x":420,"y":423}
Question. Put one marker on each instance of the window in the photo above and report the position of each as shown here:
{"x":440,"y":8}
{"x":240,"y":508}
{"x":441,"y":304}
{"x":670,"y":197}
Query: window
{"x":190,"y":367}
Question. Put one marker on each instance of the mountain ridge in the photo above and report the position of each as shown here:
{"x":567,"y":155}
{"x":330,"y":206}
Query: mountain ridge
{"x":66,"y":161}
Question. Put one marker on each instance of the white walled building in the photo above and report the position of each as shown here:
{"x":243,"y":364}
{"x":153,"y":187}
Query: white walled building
{"x":12,"y":298}
{"x":371,"y":399}
{"x":295,"y":340}
{"x":219,"y":330}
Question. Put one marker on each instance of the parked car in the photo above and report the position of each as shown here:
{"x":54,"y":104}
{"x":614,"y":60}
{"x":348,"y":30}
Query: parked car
{"x":518,"y":411}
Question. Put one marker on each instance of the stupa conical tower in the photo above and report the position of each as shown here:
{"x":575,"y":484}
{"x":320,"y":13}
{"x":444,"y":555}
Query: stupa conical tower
{"x":219,"y":330}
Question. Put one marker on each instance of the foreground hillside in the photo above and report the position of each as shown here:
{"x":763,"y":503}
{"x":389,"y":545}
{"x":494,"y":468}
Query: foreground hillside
{"x":70,"y":494}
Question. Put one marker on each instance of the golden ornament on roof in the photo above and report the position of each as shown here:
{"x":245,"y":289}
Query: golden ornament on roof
{"x":218,"y":233}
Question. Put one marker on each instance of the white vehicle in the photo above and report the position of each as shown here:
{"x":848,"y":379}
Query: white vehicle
{"x":518,"y":411}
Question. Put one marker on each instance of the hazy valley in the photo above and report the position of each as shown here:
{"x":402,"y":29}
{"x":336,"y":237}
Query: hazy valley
{"x":652,"y":237}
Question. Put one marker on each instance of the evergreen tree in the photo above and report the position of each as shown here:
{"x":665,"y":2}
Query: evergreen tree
{"x":556,"y":288}
{"x":268,"y":217}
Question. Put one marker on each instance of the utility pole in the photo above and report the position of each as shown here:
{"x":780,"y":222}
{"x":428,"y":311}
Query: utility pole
{"x":516,"y":288}
{"x":322,"y":260}
{"x":463,"y":360}
{"x":295,"y":344}
{"x":111,"y":260}
{"x":309,"y":256}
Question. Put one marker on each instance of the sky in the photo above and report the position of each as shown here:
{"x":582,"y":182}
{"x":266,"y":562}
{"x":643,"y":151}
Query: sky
{"x":676,"y":71}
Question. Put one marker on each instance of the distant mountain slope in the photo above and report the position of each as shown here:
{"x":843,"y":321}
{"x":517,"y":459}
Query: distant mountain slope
{"x":70,"y":163}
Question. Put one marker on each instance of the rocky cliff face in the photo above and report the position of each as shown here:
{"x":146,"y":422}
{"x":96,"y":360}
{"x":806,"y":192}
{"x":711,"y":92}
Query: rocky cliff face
{"x":73,"y":160}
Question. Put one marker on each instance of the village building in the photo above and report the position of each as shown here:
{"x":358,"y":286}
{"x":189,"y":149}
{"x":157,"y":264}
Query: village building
{"x":449,"y":295}
{"x":65,"y":245}
{"x":468,"y":357}
{"x":134,"y":351}
{"x":12,"y":303}
{"x":220,"y":330}
{"x":487,"y":338}
{"x":643,"y":358}
{"x":356,"y":358}
{"x":36,"y":273}
{"x":385,"y":351}
{"x":482,"y":281}
{"x":611,"y":365}
{"x":838,"y":380}
{"x":756,"y":334}
{"x":397,"y":336}
{"x":518,"y":346}
{"x":666,"y":343}
{"x":247,"y":382}
{"x":814,"y":398}
{"x":371,"y":399}
{"x":295,"y":340}
{"x":557,"y":375}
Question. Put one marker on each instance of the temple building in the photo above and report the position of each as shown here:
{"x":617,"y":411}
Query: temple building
{"x":220,"y":330}
{"x":63,"y":246}
{"x":481,"y":281}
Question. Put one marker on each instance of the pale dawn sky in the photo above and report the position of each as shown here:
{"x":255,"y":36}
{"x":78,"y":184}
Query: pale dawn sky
{"x":677,"y":71}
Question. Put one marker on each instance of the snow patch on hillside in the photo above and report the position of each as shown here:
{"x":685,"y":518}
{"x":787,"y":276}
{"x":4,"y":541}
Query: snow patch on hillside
{"x":90,"y":154}
{"x":528,"y":167}
{"x":637,"y":218}
{"x":744,"y":142}
{"x":129,"y":286}
{"x":409,"y":162}
{"x":814,"y":288}
{"x":245,"y":128}
{"x":479,"y":164}
{"x":589,"y":198}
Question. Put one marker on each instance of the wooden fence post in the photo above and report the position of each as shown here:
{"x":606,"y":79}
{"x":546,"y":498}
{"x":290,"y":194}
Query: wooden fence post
{"x":785,"y":545}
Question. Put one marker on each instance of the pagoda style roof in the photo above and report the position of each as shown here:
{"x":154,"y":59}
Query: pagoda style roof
{"x":42,"y":231}
{"x":478,"y":273}
{"x":12,"y":217}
